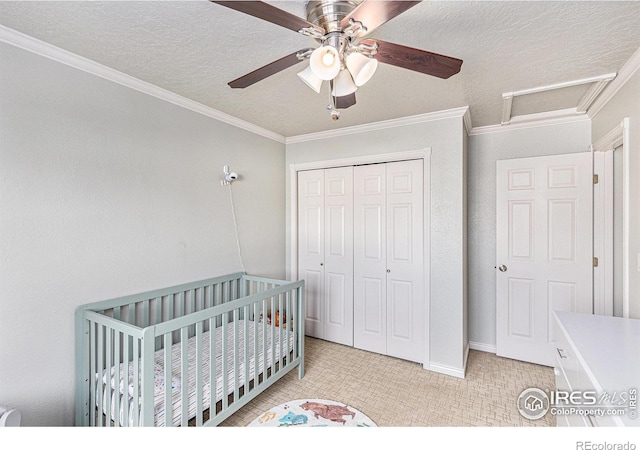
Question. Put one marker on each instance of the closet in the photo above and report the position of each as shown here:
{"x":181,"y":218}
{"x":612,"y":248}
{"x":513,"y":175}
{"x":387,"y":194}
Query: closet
{"x":361,"y":253}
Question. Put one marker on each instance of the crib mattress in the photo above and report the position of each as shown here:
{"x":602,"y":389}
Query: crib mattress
{"x":126,"y":392}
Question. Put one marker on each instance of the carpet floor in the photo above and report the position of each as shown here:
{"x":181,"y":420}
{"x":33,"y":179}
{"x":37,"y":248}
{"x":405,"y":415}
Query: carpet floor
{"x":398,"y":393}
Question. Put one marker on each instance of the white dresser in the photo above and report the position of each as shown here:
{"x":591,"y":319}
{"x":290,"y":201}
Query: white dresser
{"x":598,"y":354}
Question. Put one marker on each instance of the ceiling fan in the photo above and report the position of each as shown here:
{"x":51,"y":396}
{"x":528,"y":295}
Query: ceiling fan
{"x":346,"y":58}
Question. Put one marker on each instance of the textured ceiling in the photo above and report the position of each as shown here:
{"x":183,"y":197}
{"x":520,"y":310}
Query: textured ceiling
{"x":193,"y":48}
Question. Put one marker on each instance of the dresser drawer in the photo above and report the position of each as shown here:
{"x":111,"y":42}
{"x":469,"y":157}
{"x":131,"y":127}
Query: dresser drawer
{"x":596,"y":420}
{"x":566,"y":420}
{"x":566,"y":358}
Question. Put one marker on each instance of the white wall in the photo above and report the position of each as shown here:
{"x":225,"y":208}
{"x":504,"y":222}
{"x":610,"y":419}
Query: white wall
{"x":484,"y":151}
{"x":448,"y":233}
{"x":105,"y":191}
{"x":626,"y":104}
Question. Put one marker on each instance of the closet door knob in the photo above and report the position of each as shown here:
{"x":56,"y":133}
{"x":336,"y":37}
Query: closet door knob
{"x":388,"y":270}
{"x":322,"y":264}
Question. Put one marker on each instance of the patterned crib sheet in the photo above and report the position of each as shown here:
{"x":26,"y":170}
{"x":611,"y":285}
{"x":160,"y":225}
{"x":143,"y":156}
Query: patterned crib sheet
{"x":126,"y":394}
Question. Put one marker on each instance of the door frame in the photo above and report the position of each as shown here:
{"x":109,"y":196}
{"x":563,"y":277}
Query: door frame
{"x":603,"y":201}
{"x":425,"y":155}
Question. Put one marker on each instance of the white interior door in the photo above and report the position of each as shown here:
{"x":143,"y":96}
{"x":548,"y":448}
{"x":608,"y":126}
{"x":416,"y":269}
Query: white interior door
{"x":405,"y":259}
{"x":370,"y":258}
{"x":544,"y":249}
{"x":311,"y":237}
{"x":325,"y":251}
{"x":389,"y":311}
{"x":338,"y":255}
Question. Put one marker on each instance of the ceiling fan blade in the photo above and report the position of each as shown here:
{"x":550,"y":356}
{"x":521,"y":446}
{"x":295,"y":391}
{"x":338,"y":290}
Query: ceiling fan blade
{"x":268,"y":70}
{"x":345,"y":101}
{"x":265,"y":11}
{"x":422,"y":61}
{"x":374,"y":13}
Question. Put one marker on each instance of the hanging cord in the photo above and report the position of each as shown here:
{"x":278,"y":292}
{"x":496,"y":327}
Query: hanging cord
{"x":235,"y":225}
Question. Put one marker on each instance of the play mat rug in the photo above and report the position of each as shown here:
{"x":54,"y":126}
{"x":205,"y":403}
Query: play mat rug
{"x":312,"y":413}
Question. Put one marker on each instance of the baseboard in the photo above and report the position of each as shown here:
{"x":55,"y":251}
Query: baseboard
{"x":482,"y":347}
{"x":447,"y":370}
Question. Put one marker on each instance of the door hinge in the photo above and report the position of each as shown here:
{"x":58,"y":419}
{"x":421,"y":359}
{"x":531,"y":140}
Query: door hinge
{"x":595,"y":262}
{"x":595,"y":178}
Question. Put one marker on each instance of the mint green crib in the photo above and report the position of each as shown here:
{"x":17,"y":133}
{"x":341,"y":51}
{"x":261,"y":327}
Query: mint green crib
{"x":186,"y":355}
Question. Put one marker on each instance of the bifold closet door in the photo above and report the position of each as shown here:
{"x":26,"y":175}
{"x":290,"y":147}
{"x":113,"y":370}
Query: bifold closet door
{"x":389,"y":312}
{"x":325,"y":251}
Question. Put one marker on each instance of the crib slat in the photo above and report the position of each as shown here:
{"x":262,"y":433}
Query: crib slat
{"x":236,"y":355}
{"x":213,"y":369}
{"x":184,"y":375}
{"x":281,"y":323}
{"x":180,"y":304}
{"x":264,"y":340}
{"x":136,"y":382}
{"x":147,"y":343}
{"x":126,"y":358}
{"x":198,"y":338}
{"x":117,"y":364}
{"x":287,"y":327}
{"x":273,"y":337}
{"x":225,"y":374}
{"x":145,"y":313}
{"x":108,"y":366}
{"x":246,"y":344}
{"x":93,"y":384}
{"x":190,"y":299}
{"x":104,"y":388}
{"x":256,"y":322}
{"x":168,"y":376}
{"x":131,"y":311}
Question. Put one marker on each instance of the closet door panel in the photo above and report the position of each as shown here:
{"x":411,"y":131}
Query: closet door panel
{"x":374,"y":307}
{"x":313,"y":309}
{"x":311,"y":243}
{"x":400,"y":308}
{"x":338,"y":251}
{"x":370,"y":255}
{"x":405,"y":265}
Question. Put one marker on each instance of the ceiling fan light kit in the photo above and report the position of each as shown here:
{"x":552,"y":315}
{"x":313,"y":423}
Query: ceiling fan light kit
{"x":343,"y":84}
{"x":325,"y":62}
{"x":361,"y":67}
{"x":310,"y":79}
{"x":344,"y":57}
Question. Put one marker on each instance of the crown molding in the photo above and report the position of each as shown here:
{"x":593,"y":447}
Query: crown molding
{"x":610,"y":141}
{"x":392,"y":123}
{"x":468,"y":125}
{"x":31,"y":44}
{"x":562,"y":116}
{"x":626,"y":72}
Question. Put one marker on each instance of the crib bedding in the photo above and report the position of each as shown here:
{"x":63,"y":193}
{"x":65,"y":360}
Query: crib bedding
{"x":108,"y":378}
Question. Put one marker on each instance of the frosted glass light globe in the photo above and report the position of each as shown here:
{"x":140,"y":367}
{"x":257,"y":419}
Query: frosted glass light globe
{"x":325,"y":62}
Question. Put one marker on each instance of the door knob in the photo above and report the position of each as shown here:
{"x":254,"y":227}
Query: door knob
{"x":322,"y":264}
{"x":388,"y":270}
{"x":502,"y":268}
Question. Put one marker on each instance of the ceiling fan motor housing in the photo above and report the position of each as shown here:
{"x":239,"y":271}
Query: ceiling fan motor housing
{"x":328,"y":14}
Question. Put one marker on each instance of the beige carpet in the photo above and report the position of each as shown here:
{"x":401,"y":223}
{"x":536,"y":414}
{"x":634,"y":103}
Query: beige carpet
{"x":395,"y":393}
